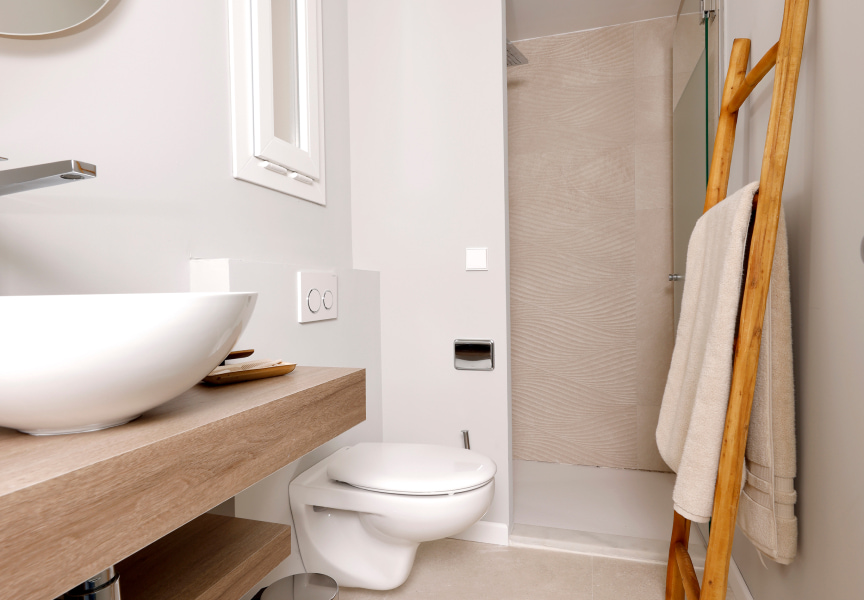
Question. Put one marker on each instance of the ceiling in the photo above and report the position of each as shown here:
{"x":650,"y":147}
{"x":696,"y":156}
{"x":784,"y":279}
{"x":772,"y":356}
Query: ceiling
{"x":538,"y":18}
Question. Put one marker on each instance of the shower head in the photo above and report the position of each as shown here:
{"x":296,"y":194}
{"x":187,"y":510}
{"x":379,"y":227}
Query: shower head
{"x":40,"y":176}
{"x":514,"y":57}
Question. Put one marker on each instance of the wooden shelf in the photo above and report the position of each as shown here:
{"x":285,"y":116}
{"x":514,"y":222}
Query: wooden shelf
{"x":212,"y":558}
{"x":73,"y":505}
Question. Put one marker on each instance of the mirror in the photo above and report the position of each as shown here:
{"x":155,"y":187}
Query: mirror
{"x":41,"y":17}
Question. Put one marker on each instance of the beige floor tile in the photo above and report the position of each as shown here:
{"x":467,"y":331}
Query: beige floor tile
{"x":630,"y":580}
{"x":457,"y":570}
{"x":617,"y":579}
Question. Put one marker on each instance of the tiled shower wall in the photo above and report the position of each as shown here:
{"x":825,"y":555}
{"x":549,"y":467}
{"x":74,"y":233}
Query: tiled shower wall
{"x":590,"y":135}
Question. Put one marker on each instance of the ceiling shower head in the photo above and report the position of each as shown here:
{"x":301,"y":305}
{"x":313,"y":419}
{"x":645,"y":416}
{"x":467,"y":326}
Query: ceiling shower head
{"x":514,"y":57}
{"x":40,"y":176}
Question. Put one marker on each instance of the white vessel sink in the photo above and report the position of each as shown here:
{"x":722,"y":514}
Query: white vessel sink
{"x":80,"y":363}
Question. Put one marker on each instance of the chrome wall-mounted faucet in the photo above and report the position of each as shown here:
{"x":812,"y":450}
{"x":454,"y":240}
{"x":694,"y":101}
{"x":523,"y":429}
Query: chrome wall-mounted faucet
{"x":22,"y":179}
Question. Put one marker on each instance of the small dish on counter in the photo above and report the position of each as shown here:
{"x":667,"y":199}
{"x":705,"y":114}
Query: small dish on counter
{"x":248,"y":371}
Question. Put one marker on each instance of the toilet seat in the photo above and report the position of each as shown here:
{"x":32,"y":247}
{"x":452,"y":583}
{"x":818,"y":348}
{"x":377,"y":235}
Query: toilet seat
{"x":411,"y":469}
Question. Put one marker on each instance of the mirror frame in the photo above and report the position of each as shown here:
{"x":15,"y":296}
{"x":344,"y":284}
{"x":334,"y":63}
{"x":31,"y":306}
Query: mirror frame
{"x":259,"y":156}
{"x":65,"y":30}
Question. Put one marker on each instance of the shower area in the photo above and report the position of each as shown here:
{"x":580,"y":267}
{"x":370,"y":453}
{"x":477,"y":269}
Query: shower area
{"x":590,"y":129}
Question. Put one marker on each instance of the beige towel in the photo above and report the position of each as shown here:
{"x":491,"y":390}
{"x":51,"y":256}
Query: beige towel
{"x":693,"y":413}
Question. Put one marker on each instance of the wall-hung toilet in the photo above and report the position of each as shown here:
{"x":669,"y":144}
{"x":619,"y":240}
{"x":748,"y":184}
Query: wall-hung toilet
{"x":361,"y":513}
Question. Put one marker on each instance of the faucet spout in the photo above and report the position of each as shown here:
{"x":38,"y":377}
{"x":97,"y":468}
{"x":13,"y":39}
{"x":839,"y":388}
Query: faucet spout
{"x":23,"y":179}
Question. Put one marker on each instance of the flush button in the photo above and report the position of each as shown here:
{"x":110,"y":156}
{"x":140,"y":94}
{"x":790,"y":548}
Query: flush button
{"x":313,"y":300}
{"x":317,"y":296}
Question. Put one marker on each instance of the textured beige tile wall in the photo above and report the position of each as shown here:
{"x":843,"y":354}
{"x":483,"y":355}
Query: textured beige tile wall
{"x":590,"y":132}
{"x":688,"y":44}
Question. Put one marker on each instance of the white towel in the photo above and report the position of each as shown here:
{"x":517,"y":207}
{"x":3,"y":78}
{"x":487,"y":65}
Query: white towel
{"x":693,"y":413}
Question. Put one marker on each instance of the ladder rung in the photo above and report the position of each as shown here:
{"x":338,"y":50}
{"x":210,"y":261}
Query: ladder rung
{"x":762,"y":68}
{"x":688,"y":573}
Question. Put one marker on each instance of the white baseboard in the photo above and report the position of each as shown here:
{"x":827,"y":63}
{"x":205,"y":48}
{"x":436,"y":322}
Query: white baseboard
{"x":486,"y":532}
{"x":601,"y":544}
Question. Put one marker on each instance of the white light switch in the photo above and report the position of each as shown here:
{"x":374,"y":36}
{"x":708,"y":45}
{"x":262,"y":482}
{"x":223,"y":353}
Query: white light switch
{"x":318,"y":296}
{"x":475,"y":259}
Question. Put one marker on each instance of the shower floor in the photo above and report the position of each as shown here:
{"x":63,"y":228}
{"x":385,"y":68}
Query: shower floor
{"x":619,"y":513}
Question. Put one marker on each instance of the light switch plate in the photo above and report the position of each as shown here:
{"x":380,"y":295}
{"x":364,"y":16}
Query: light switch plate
{"x":318,"y":296}
{"x":475,"y":259}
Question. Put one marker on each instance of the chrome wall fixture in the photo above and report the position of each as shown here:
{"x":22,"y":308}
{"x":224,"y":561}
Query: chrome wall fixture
{"x":708,"y":9}
{"x":23,"y":179}
{"x":474,"y":355}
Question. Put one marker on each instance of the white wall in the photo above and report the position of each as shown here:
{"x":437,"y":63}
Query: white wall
{"x":825,"y":217}
{"x":144,"y":94}
{"x":428,"y":177}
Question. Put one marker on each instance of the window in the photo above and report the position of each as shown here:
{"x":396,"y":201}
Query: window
{"x":277,"y":95}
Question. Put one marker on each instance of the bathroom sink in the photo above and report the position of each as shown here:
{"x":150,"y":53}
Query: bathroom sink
{"x":70,"y":364}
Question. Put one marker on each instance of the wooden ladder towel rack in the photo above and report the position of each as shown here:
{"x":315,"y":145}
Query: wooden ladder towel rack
{"x":785,"y":57}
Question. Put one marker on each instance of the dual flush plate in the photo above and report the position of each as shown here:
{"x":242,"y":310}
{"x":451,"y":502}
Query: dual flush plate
{"x":319,"y":297}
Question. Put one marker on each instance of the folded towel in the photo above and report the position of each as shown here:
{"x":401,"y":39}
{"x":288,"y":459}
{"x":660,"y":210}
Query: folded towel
{"x":693,"y":413}
{"x":766,"y":512}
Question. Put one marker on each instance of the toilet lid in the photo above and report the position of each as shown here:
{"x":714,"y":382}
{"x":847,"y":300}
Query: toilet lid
{"x":415,"y":469}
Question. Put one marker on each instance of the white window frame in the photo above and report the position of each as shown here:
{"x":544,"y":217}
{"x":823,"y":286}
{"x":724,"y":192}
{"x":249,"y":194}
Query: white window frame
{"x":259,"y":156}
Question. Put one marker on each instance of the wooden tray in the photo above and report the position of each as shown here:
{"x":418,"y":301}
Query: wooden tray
{"x":250,"y":375}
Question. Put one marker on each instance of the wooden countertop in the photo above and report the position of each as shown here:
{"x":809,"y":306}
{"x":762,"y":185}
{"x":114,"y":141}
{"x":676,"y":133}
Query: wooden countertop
{"x":70,"y":506}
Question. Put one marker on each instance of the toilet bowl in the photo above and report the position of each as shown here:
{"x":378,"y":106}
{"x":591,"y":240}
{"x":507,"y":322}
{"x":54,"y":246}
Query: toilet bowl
{"x":361,"y":513}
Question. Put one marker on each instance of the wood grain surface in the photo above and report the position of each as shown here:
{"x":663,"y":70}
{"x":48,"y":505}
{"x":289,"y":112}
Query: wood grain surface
{"x":724,"y":141}
{"x":70,"y":506}
{"x":211,"y":558}
{"x":680,"y":535}
{"x":250,"y":375}
{"x":688,"y":573}
{"x":786,"y":56}
{"x":757,"y":281}
{"x":762,"y":68}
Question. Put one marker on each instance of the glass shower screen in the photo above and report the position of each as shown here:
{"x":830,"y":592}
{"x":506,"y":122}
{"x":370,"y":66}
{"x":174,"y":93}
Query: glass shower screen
{"x":695,"y":54}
